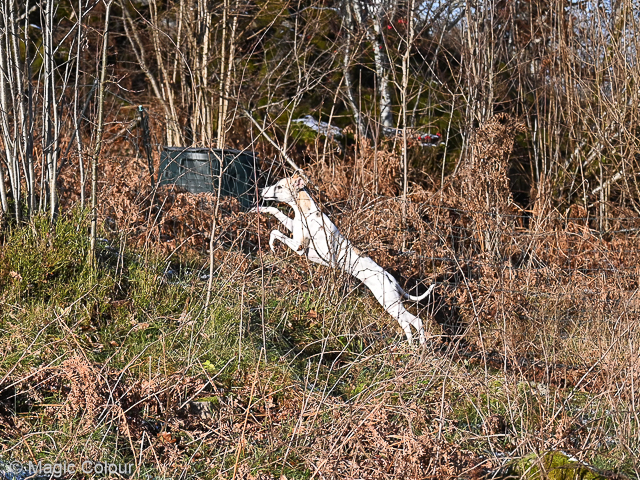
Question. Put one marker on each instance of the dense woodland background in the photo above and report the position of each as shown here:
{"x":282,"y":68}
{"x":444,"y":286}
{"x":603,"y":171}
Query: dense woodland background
{"x":566,"y":70}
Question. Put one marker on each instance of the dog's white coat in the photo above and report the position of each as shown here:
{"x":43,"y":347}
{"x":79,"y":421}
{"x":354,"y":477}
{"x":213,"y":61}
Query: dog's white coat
{"x":316,"y":237}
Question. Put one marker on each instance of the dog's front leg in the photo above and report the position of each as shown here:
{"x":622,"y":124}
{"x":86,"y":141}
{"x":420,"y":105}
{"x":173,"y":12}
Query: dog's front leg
{"x":289,"y":242}
{"x":281,"y":217}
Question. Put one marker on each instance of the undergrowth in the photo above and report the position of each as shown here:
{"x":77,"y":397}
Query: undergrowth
{"x":293,"y":370}
{"x":124,"y":363}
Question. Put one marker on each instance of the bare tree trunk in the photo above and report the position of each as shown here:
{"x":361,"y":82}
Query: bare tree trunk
{"x":22,"y":136}
{"x":174,"y":133}
{"x":478,"y":61}
{"x":76,"y":117}
{"x":28,"y":128}
{"x":100,"y":127}
{"x":5,"y":107}
{"x":51,"y":135}
{"x":382,"y":72}
{"x":376,"y":37}
{"x":202,"y":103}
{"x":221,"y":92}
{"x":226,"y":67}
{"x":346,"y":66}
{"x":139,"y":51}
{"x":405,"y":86}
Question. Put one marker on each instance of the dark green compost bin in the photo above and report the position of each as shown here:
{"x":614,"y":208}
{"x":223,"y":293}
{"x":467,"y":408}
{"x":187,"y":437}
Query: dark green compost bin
{"x":197,"y":170}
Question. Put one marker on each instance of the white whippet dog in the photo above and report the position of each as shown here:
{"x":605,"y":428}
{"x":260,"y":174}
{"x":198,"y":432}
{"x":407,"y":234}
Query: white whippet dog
{"x":316,"y":237}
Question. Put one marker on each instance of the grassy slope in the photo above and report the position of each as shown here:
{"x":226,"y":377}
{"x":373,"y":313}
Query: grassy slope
{"x":125,"y":364}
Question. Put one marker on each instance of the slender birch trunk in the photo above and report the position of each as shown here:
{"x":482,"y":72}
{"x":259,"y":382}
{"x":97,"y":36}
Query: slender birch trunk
{"x":50,"y":110}
{"x":100,"y":127}
{"x":405,"y":87}
{"x":76,"y":115}
{"x":5,"y":107}
{"x":375,"y":37}
{"x":346,"y":69}
{"x":221,"y":92}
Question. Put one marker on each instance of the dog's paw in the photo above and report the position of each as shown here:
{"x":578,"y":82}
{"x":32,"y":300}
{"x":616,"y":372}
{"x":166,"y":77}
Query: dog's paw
{"x":263,"y":210}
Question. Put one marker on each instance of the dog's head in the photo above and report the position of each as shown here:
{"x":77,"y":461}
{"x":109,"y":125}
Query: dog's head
{"x":286,"y":190}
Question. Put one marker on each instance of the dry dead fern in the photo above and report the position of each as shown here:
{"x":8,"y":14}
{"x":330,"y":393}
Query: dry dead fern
{"x":87,"y":394}
{"x":482,"y":184}
{"x":380,"y":446}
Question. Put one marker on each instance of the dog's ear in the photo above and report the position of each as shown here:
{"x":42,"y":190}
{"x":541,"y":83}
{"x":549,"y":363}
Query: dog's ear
{"x":298,"y":182}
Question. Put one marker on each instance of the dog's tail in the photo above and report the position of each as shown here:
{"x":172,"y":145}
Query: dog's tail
{"x":421,"y":297}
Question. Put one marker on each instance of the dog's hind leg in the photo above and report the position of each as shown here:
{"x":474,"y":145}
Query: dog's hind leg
{"x":406,"y":321}
{"x":388,"y":293}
